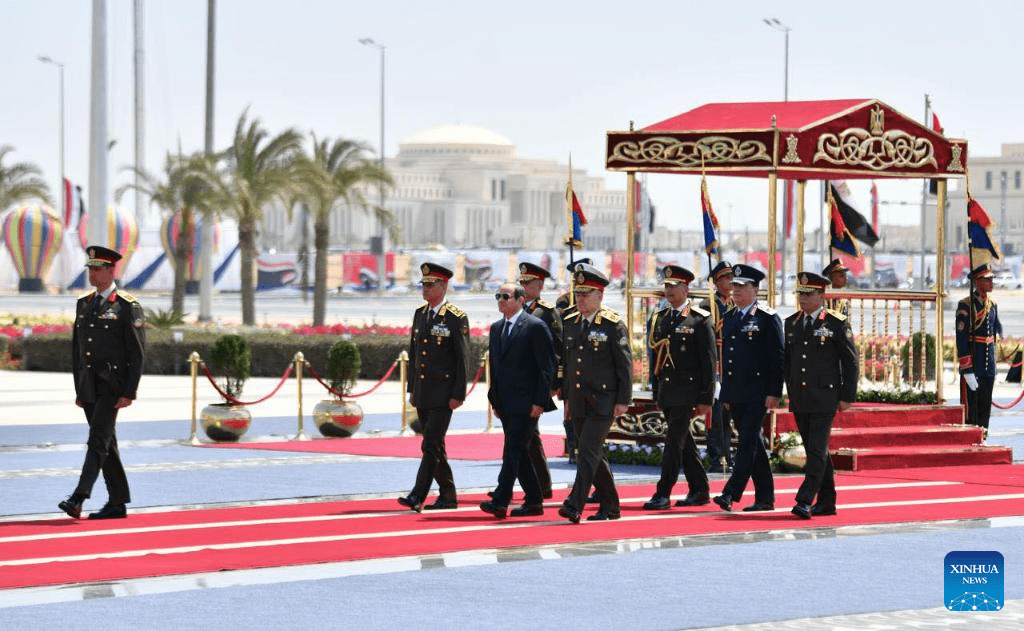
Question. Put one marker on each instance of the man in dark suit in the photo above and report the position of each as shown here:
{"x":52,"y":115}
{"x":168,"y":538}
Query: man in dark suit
{"x":522,"y":362}
{"x":597,"y":387}
{"x":108,"y":349}
{"x":531,"y":279}
{"x":719,"y":430}
{"x":977,"y":326}
{"x":438,"y":360}
{"x":752,"y":356}
{"x":821,"y":377}
{"x":683,"y":380}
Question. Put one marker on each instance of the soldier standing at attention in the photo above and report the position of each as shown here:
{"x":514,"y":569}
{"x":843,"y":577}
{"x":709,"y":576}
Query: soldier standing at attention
{"x":438,"y":357}
{"x":836,"y":273}
{"x":976,"y":347}
{"x":108,"y":349}
{"x":598,"y":386}
{"x":683,"y":380}
{"x":821,"y":378}
{"x":752,"y":356}
{"x":719,"y":430}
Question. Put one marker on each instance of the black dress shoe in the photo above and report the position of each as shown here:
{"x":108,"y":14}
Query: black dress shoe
{"x":442,"y":503}
{"x":757,"y":507}
{"x":724,"y":501}
{"x":695,"y":499}
{"x":413,"y":502}
{"x":548,"y":494}
{"x":604,"y":514}
{"x":819,"y":510}
{"x":803,"y":511}
{"x":495,"y":509}
{"x":72,"y":506}
{"x":569,"y":513}
{"x":110,"y":511}
{"x":528,"y":510}
{"x":658,"y":502}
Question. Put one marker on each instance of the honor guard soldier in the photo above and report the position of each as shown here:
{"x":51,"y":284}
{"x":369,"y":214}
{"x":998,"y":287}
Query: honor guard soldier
{"x":683,"y":380}
{"x":598,"y":386}
{"x":977,"y":325}
{"x":439,"y":359}
{"x":821,"y":378}
{"x":752,"y":356}
{"x":719,"y":430}
{"x":531,"y":279}
{"x":108,"y":348}
{"x":836,"y":273}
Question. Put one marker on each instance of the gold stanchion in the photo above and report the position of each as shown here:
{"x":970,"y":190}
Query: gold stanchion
{"x":487,"y":382}
{"x":193,"y":361}
{"x":403,"y":377}
{"x":299,"y":360}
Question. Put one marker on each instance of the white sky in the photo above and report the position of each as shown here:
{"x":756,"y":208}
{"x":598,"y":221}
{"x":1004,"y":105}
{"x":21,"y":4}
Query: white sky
{"x":552,"y":76}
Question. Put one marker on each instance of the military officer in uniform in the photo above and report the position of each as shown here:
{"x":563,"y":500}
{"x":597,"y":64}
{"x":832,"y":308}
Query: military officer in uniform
{"x":598,"y":386}
{"x":821,"y":378}
{"x":108,"y":348}
{"x":564,"y":307}
{"x":977,"y":325}
{"x":752,"y":356}
{"x":719,"y":430}
{"x":683,"y":380}
{"x":439,"y":359}
{"x":836,"y":273}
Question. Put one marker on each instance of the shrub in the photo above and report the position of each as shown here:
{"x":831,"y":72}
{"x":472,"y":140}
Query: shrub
{"x":231,"y":359}
{"x":343,"y":365}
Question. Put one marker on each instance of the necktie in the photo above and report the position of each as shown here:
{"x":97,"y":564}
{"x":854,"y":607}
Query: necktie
{"x":430,"y":314}
{"x":96,"y":303}
{"x":505,"y":328}
{"x":808,"y":323}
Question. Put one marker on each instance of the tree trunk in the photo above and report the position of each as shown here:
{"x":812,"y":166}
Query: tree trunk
{"x":247,"y":251}
{"x":182,"y":249}
{"x":320,"y":238}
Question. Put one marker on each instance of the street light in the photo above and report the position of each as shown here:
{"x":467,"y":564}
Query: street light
{"x":779,"y":26}
{"x":381,"y":271}
{"x":60,"y":188}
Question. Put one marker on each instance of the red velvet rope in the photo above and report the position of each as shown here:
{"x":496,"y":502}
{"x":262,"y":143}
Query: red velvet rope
{"x":342,"y":395}
{"x":1015,"y":402}
{"x":476,"y":380}
{"x":233,"y":400}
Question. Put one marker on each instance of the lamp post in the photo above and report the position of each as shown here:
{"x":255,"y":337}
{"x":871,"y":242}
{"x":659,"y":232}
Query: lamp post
{"x":779,"y":26}
{"x":379,"y":246}
{"x":60,"y":187}
{"x":774,"y":23}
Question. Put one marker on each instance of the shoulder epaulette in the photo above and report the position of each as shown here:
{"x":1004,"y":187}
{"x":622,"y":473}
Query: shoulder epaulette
{"x":609,"y":315}
{"x":700,"y":311}
{"x":570,"y":315}
{"x":88,"y":294}
{"x":453,"y":309}
{"x":766,"y":309}
{"x":127,"y":296}
{"x":546,"y":305}
{"x":836,"y":314}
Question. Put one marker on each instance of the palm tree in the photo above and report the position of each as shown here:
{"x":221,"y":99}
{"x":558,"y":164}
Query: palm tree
{"x":335,"y":172}
{"x":256,"y":169}
{"x":186,"y":188}
{"x":20,"y":181}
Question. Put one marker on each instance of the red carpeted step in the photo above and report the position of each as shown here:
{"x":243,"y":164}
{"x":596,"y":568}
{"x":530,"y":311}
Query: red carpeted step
{"x":876,"y":415}
{"x":927,"y":456}
{"x":905,"y":436}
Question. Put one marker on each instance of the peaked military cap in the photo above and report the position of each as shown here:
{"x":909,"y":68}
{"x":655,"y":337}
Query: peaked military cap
{"x":723,"y":268}
{"x":532,"y":271}
{"x":809,"y":282}
{"x":836,"y":265}
{"x":675,"y":274}
{"x":571,"y":267}
{"x":746,"y":275}
{"x":434,"y":272}
{"x":982,"y":271}
{"x":589,"y":277}
{"x":100,"y":256}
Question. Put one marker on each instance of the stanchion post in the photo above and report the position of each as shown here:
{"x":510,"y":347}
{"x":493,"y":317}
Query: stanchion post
{"x":193,"y":361}
{"x":403,"y":377}
{"x":299,"y":360}
{"x":487,"y":382}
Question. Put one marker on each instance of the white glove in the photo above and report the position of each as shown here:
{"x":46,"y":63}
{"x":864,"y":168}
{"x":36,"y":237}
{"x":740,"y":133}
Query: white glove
{"x":718,"y":390}
{"x":971,"y":380}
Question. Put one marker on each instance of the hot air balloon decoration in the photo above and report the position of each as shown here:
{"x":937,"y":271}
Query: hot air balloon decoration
{"x":33,"y":236}
{"x":122,"y":234}
{"x":171,"y":231}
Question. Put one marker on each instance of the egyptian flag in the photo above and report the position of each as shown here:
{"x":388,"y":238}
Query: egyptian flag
{"x":841,"y":239}
{"x":710,"y":220}
{"x":933,"y":185}
{"x":578,"y":218}
{"x":855,"y":222}
{"x":979,"y":227}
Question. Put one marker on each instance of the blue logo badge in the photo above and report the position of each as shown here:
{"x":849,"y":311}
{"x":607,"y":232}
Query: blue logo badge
{"x":974,"y":581}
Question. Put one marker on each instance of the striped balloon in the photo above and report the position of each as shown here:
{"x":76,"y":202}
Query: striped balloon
{"x":122,"y":234}
{"x":171,"y":231}
{"x":33,"y":235}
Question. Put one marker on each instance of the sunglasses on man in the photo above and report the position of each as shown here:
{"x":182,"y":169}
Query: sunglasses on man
{"x":501,"y":296}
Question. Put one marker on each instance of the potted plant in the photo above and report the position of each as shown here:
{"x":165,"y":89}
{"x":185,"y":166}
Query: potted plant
{"x":338,"y":418}
{"x":230,"y":360}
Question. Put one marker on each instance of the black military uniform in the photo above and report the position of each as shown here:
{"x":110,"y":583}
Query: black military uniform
{"x":598,"y":366}
{"x":439,"y":360}
{"x":839,"y":305}
{"x":682,"y":377}
{"x":108,"y":349}
{"x":976,"y":348}
{"x":549,"y":315}
{"x":565,"y":307}
{"x":821,"y":371}
{"x":719,"y":431}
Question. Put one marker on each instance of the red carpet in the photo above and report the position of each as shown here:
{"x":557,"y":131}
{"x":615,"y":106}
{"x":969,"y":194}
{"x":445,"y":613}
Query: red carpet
{"x":64,"y":551}
{"x":478,"y":446}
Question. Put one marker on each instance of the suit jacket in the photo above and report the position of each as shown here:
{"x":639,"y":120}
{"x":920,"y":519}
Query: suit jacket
{"x":598,"y":364}
{"x":522,"y":364}
{"x":821,"y":362}
{"x":108,"y":344}
{"x":438,"y":356}
{"x":983,"y":332}
{"x":752,"y":355}
{"x":684,"y":356}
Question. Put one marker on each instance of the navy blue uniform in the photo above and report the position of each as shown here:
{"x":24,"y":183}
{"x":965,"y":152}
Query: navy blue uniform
{"x":981,"y":335}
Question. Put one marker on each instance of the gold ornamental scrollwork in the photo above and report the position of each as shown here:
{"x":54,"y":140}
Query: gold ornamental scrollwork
{"x":791,"y":157}
{"x":691,"y":153}
{"x":877,"y":149}
{"x":649,"y":424}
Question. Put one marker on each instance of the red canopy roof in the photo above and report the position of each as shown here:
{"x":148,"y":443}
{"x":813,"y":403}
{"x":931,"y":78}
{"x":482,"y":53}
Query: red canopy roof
{"x":843,"y":138}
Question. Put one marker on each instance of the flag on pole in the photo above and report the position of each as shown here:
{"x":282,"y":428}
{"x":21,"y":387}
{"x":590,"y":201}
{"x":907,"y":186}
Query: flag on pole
{"x":933,"y":185}
{"x":855,"y":222}
{"x":576,"y":217}
{"x":710,"y":220}
{"x":874,"y":206}
{"x":979,"y":227}
{"x":841,"y":239}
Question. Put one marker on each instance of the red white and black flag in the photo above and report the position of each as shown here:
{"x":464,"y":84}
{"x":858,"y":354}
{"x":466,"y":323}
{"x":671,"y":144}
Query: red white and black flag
{"x":855,"y":222}
{"x":933,"y":185}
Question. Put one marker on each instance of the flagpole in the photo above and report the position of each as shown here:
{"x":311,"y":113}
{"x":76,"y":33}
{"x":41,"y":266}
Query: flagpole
{"x":571,"y":240}
{"x":919,"y":282}
{"x":970,"y":297}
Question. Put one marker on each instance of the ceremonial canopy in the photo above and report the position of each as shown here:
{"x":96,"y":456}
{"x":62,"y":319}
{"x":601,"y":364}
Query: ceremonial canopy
{"x":795,"y":140}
